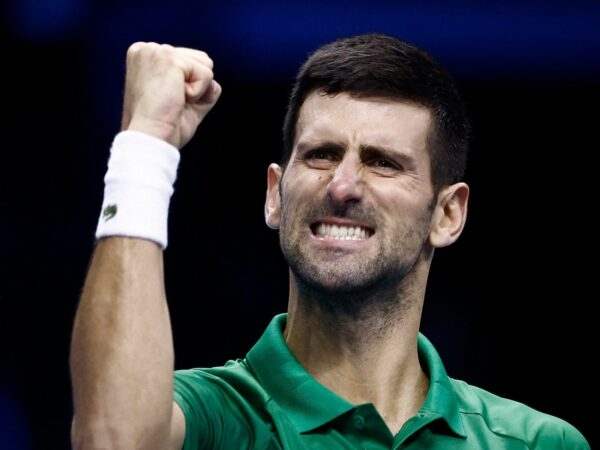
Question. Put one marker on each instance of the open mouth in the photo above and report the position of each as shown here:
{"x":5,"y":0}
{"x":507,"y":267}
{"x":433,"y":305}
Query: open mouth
{"x":341,"y":232}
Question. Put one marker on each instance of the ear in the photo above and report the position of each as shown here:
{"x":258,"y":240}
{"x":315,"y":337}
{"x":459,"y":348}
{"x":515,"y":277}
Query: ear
{"x":273,"y":199}
{"x":450,"y":215}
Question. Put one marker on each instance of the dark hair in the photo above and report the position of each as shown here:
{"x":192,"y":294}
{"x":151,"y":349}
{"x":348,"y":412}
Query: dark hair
{"x":375,"y":64}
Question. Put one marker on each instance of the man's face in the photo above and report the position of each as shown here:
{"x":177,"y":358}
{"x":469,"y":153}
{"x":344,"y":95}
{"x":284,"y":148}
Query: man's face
{"x":356,"y":196}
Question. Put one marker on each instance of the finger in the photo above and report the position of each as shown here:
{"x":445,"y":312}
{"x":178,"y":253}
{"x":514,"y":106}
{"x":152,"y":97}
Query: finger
{"x":199,"y":81}
{"x":197,"y":55}
{"x":212,"y":93}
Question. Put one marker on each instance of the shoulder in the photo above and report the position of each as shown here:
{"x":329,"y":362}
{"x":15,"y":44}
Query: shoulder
{"x":233,"y":377}
{"x":511,"y":419}
{"x":223,"y":407}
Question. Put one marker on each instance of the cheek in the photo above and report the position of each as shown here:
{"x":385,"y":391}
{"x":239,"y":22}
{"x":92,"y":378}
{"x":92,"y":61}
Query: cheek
{"x":400,"y":193}
{"x":304,"y":187}
{"x":401,"y":209}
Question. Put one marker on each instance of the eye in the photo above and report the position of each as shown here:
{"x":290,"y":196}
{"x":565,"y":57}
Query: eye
{"x":384,"y":166}
{"x":383,"y":163}
{"x":322,"y":157}
{"x":321,"y":154}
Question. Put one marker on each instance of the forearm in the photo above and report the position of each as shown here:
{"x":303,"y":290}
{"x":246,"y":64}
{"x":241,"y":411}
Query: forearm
{"x":122,"y":347}
{"x":122,"y":350}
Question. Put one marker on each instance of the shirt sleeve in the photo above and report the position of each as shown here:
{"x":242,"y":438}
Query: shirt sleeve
{"x":218,"y":413}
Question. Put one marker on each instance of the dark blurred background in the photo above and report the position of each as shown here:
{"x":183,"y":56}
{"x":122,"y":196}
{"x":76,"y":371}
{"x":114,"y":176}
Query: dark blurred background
{"x":511,"y":304}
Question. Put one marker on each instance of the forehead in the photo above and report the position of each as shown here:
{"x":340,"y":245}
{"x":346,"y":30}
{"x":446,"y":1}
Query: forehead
{"x":370,"y":120}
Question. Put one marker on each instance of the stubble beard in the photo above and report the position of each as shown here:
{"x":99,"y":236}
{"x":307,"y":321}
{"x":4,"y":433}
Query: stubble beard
{"x":339,"y":283}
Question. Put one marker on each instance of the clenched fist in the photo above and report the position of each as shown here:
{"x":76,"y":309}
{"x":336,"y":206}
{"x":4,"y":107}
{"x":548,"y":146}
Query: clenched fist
{"x":168,"y":91}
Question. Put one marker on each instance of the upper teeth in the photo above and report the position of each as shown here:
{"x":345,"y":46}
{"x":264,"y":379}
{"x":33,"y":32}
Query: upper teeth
{"x":341,"y":232}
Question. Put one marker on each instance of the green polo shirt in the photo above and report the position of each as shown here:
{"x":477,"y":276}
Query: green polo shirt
{"x":269,"y":401}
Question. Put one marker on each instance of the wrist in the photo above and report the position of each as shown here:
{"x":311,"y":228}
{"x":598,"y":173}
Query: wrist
{"x":138,"y":185}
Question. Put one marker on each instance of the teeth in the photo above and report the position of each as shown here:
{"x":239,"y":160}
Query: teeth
{"x":342,"y":233}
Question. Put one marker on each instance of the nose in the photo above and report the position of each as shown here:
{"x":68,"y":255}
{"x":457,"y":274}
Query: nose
{"x":346,"y":184}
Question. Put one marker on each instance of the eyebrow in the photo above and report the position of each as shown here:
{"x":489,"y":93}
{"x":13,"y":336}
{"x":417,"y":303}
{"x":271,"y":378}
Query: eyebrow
{"x":366,"y":150}
{"x":381,"y":150}
{"x":330,"y":144}
{"x":405,"y":158}
{"x":319,"y":143}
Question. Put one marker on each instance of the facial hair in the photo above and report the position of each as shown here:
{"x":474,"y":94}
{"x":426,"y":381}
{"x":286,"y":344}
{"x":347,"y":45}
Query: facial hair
{"x":342,"y":282}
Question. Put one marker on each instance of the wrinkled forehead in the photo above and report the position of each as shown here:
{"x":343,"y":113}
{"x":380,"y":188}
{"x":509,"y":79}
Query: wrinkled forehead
{"x":377,"y":121}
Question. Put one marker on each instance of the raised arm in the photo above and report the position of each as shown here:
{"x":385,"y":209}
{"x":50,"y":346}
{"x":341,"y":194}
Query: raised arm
{"x":122,"y":350}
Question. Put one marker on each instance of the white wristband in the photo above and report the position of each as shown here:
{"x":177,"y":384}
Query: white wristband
{"x":137,"y":187}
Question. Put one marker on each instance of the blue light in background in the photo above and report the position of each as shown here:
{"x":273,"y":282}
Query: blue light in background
{"x":47,"y":21}
{"x":14,"y":428}
{"x":472,"y":40}
{"x":269,"y":39}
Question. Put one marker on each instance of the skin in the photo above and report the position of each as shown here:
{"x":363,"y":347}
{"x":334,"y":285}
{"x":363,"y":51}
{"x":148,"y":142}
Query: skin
{"x":122,"y":347}
{"x":354,"y":305}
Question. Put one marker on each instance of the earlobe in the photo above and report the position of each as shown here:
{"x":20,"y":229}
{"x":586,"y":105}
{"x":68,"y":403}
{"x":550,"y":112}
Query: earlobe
{"x":273,"y":199}
{"x":450,"y":215}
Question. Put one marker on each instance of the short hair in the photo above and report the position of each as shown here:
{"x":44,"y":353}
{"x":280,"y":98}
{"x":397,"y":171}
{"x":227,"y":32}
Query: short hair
{"x":380,"y":65}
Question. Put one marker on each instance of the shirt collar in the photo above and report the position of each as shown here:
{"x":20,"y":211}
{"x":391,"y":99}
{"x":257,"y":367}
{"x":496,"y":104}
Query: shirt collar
{"x":307,"y":402}
{"x":295,"y":390}
{"x":441,"y":398}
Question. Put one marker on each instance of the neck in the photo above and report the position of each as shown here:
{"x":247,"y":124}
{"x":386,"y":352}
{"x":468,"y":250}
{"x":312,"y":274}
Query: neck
{"x":369,"y":357}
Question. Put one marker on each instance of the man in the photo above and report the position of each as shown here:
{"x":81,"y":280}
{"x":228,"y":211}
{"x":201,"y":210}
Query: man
{"x":370,"y":184}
